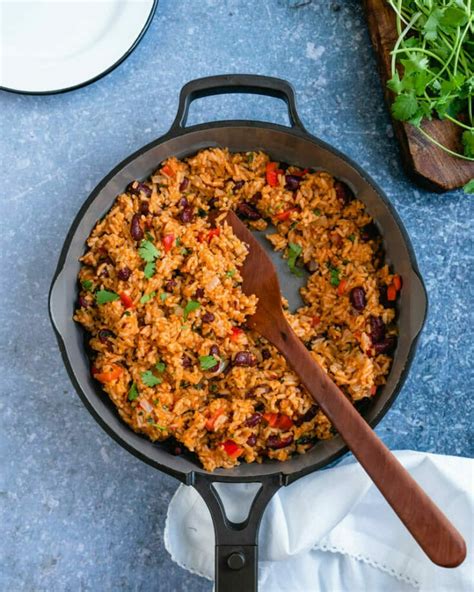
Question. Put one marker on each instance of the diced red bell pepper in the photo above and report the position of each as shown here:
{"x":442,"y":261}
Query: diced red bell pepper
{"x":391,"y":293}
{"x":373,"y":390}
{"x":212,"y":233}
{"x":341,"y":288}
{"x":232,"y":449}
{"x":315,"y":321}
{"x":168,"y":241}
{"x":168,"y":171}
{"x":126,"y":300}
{"x":284,"y":422}
{"x":110,"y":376}
{"x":282,"y":216}
{"x":271,"y":419}
{"x":209,"y":425}
{"x":234,"y":333}
{"x":272,"y":173}
{"x":397,"y":282}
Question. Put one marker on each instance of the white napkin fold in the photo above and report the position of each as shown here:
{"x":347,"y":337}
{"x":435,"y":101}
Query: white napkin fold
{"x":333,"y":532}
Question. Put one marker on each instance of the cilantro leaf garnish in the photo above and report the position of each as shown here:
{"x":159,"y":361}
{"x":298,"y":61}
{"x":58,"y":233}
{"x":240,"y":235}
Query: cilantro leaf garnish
{"x":231,"y":273}
{"x":147,"y":297}
{"x":190,"y":307}
{"x":352,"y":237}
{"x":147,"y":251}
{"x":133,"y":392}
{"x":103,"y":296}
{"x":469,"y":187}
{"x":163,"y":296}
{"x":149,"y":379}
{"x":149,"y":270}
{"x":334,"y":280}
{"x":208,"y":362}
{"x":294,"y":251}
{"x":160,"y":366}
{"x":405,"y":106}
{"x":88,"y":285}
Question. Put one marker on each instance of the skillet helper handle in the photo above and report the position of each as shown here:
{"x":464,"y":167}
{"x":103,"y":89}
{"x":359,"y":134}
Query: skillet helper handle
{"x":236,"y":551}
{"x":435,"y":534}
{"x":236,"y":83}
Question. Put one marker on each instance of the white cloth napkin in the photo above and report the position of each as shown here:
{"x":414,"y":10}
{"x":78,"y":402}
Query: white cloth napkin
{"x":333,"y":532}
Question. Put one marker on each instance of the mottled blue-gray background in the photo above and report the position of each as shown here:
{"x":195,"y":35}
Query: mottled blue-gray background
{"x":78,"y":512}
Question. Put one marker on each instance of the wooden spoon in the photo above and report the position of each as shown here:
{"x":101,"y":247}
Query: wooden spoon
{"x":429,"y":526}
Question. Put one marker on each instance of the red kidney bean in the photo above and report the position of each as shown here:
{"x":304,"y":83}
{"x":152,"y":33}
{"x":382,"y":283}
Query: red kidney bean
{"x":212,"y":202}
{"x":244,"y":358}
{"x":124,"y":273}
{"x":199,"y":293}
{"x":135,"y":228}
{"x":247,"y":210}
{"x":256,"y":198}
{"x":170,"y":285}
{"x":369,"y":232}
{"x":357,"y":298}
{"x":252,"y":440}
{"x":343,"y":193}
{"x":266,"y":355}
{"x":144,"y":208}
{"x":385,"y":346}
{"x":187,"y":215}
{"x":253,"y":420}
{"x":275,"y":442}
{"x":312,"y":266}
{"x":292,"y":182}
{"x":207,"y":317}
{"x":377,"y":329}
{"x":184,"y":184}
{"x":238,"y":185}
{"x":308,"y":416}
{"x":83,"y":302}
{"x":186,"y":361}
{"x":214,"y":351}
{"x":183,"y":203}
{"x":139,"y":187}
{"x":104,"y":335}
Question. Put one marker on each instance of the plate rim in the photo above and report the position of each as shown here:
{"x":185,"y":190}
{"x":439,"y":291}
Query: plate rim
{"x":98,"y":76}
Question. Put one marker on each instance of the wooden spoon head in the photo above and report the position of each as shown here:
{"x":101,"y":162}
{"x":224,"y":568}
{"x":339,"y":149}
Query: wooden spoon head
{"x":259,"y":278}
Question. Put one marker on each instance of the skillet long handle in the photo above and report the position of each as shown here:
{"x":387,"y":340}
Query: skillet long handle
{"x":435,"y":534}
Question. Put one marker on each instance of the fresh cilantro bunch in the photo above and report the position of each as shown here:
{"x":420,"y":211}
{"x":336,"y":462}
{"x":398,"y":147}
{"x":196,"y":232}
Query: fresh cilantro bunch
{"x":433,"y":65}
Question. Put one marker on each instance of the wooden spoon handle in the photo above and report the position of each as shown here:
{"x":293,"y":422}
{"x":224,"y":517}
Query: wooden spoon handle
{"x":429,"y":526}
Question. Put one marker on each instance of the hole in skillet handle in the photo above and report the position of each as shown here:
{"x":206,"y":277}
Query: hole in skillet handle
{"x":231,"y":84}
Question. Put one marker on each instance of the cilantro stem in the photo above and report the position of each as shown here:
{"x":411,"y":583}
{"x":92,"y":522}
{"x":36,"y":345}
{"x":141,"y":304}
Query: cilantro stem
{"x":431,"y":139}
{"x":460,"y":123}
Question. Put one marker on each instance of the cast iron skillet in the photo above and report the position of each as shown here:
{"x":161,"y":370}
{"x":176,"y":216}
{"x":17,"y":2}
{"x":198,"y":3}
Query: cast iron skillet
{"x":236,"y":544}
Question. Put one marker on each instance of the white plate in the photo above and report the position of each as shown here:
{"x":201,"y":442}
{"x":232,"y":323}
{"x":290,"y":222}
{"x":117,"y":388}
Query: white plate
{"x":55,"y":45}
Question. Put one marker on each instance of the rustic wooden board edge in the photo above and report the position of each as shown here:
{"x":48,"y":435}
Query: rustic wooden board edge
{"x":427,"y":164}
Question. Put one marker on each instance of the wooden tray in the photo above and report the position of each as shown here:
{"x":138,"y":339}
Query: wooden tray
{"x":430,"y":166}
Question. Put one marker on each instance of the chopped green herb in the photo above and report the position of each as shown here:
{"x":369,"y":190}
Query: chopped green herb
{"x":149,"y":270}
{"x":190,"y":307}
{"x":202,"y":213}
{"x":469,"y":187}
{"x":178,"y":241}
{"x":317,"y":212}
{"x":149,"y":236}
{"x":160,"y":366}
{"x":133,"y":392}
{"x":208,"y":362}
{"x":184,"y":251}
{"x":231,"y":273}
{"x":293,"y":225}
{"x":163,"y":296}
{"x":335,"y":280}
{"x":250,"y":157}
{"x":149,"y":379}
{"x":88,"y":285}
{"x":294,"y":251}
{"x":352,"y":237}
{"x":127,"y":313}
{"x":146,"y":297}
{"x":103,"y":296}
{"x":148,"y":251}
{"x":213,"y":387}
